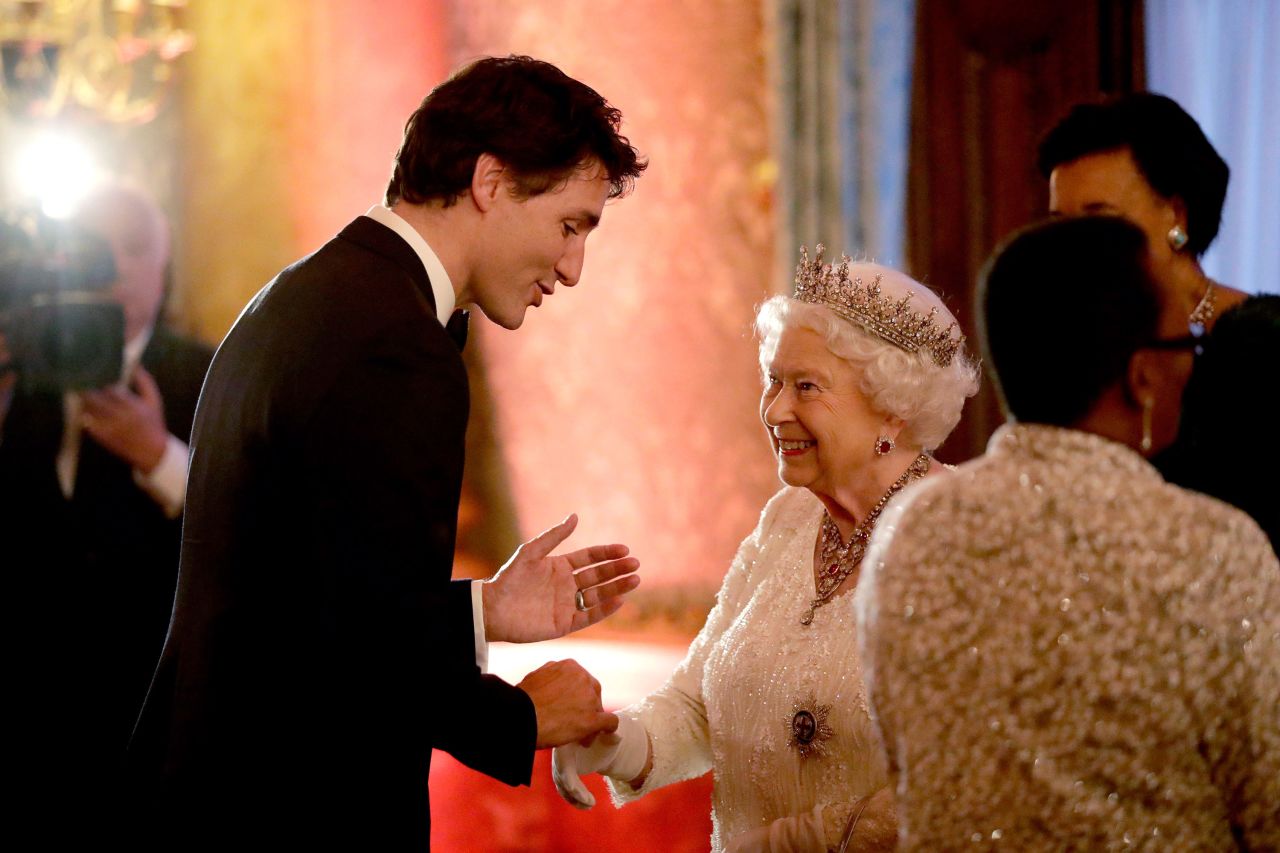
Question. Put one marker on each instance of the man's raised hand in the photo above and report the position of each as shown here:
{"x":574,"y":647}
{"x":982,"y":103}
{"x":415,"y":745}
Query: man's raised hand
{"x":538,"y":596}
{"x":129,"y":422}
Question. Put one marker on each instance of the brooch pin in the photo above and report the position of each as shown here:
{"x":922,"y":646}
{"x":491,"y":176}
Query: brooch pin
{"x":807,"y":728}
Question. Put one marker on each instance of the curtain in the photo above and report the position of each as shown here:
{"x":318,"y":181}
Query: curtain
{"x":1220,"y":59}
{"x":843,"y":74}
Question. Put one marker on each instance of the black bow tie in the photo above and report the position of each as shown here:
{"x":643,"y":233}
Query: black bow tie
{"x":457,"y":327}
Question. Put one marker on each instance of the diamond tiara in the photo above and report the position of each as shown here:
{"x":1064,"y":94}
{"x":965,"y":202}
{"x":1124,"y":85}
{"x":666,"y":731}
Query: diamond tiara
{"x":829,"y":285}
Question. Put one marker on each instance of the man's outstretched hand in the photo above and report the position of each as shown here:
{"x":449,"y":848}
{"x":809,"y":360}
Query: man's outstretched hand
{"x":534,"y":596}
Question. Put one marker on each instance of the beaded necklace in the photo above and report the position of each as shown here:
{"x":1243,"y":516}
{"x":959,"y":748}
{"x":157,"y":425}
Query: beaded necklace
{"x":1202,"y":314}
{"x":839,"y":559}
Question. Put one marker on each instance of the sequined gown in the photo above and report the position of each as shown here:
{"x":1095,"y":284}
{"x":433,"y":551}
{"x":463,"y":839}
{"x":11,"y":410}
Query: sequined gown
{"x":729,"y":706}
{"x":1066,"y":653}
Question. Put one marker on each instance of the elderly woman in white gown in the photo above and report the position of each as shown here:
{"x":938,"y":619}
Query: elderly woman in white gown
{"x":864,"y":373}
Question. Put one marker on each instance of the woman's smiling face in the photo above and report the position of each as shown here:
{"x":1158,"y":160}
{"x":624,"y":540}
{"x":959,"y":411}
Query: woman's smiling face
{"x":822,"y":428}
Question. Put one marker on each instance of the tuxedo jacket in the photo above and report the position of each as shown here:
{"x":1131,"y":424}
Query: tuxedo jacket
{"x":89,"y":587}
{"x":318,"y":649}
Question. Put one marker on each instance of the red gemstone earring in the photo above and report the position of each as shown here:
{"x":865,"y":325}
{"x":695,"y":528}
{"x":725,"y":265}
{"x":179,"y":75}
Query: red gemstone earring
{"x":883,"y":445}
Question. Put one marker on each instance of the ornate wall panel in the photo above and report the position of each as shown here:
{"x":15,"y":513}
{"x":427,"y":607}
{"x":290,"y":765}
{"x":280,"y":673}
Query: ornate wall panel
{"x":292,"y":111}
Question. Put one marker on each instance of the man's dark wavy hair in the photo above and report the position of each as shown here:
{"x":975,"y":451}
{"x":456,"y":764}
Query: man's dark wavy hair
{"x":1170,"y":149}
{"x":541,"y":123}
{"x":1062,"y":306}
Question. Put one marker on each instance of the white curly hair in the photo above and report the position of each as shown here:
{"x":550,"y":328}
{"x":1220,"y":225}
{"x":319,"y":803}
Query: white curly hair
{"x":910,"y":386}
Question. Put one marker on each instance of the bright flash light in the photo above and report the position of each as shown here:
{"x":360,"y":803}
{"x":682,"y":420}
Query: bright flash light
{"x":57,"y":171}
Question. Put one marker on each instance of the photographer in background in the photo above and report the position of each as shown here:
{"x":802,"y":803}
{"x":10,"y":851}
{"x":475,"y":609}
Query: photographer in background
{"x":92,"y":485}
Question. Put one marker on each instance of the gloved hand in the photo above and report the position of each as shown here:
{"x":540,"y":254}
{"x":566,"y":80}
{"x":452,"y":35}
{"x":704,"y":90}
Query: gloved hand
{"x":620,"y":755}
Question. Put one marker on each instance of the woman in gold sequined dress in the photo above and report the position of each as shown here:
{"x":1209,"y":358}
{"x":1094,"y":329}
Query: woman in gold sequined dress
{"x":1064,"y":651}
{"x":864,"y":373}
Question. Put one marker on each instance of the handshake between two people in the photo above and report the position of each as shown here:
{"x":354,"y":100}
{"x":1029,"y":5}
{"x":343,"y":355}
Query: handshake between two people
{"x":538,"y":596}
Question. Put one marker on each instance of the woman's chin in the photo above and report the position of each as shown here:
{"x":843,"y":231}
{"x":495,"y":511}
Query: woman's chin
{"x":791,"y":476}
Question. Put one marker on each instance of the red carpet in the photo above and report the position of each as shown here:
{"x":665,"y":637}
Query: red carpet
{"x":471,"y":813}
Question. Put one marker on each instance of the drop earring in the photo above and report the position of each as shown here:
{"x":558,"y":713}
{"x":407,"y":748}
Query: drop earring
{"x":1147,"y":405}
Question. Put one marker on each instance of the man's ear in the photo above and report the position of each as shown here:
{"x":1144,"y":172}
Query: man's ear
{"x":488,"y":180}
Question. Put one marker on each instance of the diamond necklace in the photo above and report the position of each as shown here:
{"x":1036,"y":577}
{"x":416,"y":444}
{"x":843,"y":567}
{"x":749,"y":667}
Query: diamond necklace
{"x":839,"y":559}
{"x":1202,"y":314}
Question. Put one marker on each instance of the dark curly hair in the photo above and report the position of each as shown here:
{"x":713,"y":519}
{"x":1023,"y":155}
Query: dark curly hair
{"x":541,"y":123}
{"x":1170,"y":149}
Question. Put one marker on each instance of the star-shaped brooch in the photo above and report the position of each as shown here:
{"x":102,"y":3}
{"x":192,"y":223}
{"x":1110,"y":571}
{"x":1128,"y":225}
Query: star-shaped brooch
{"x":807,"y":727}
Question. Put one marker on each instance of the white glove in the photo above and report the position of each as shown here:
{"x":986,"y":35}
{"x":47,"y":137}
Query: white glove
{"x":620,"y":755}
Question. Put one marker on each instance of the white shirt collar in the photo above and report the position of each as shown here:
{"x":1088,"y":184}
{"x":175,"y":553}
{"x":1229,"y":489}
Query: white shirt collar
{"x":441,"y":286}
{"x":133,"y":353}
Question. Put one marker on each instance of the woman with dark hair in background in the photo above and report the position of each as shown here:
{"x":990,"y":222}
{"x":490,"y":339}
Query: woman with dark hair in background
{"x":1225,"y":456}
{"x":1141,"y":156}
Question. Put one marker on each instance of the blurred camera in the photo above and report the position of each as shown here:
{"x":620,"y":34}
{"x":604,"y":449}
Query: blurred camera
{"x":64,"y":331}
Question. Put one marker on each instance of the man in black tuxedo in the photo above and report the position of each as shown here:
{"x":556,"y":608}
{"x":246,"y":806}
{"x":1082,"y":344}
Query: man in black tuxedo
{"x":92,"y":487}
{"x":318,"y":650}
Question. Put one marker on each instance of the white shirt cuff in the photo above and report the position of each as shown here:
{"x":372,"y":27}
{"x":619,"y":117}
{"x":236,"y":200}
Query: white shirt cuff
{"x":477,"y":619}
{"x":167,"y":483}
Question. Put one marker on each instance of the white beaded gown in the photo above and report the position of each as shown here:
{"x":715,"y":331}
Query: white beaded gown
{"x":1065,"y":652}
{"x":756,"y":686}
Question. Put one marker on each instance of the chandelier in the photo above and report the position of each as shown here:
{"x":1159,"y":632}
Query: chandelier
{"x":110,"y":58}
